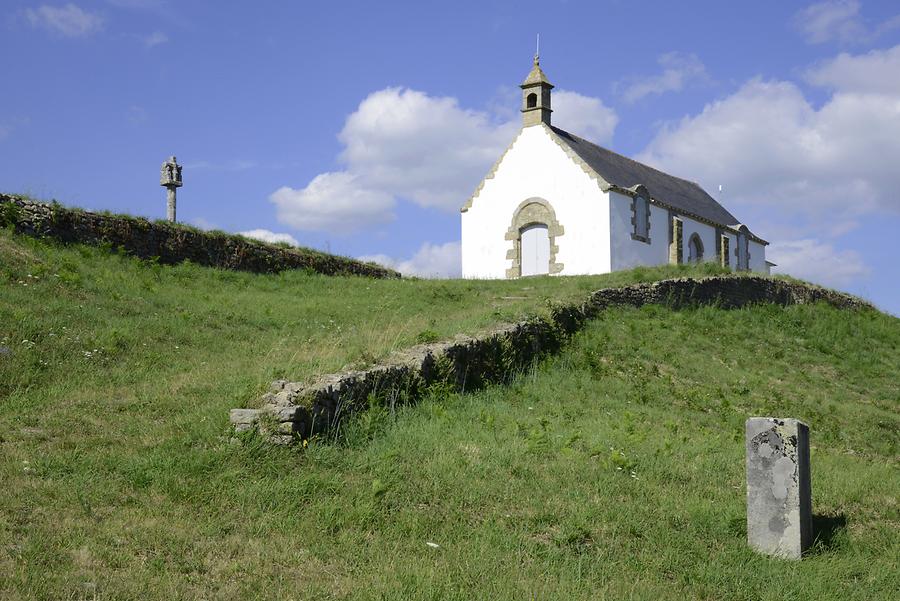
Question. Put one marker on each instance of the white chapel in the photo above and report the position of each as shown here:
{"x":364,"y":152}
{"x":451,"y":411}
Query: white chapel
{"x":558,"y":204}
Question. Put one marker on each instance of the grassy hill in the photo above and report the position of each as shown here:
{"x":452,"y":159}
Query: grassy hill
{"x":615,"y":468}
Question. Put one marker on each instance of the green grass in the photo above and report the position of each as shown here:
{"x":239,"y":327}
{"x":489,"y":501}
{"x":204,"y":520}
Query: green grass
{"x":614,"y":469}
{"x":82,"y":312}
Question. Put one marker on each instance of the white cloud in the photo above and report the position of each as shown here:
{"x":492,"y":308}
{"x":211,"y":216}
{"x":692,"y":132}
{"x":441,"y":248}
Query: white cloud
{"x":405,"y":144}
{"x":155,"y":39}
{"x":333,"y":202}
{"x":204,"y":224}
{"x":584,"y":116}
{"x":430,"y":261}
{"x":68,"y":20}
{"x":839,"y":20}
{"x":877,"y":72}
{"x":830,"y":20}
{"x":816,"y":261}
{"x":270,"y":236}
{"x":795,"y":171}
{"x":777,"y":154}
{"x":422,"y":148}
{"x":678,"y":70}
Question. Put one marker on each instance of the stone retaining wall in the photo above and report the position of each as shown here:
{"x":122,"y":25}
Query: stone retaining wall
{"x":171,"y":243}
{"x":295,"y":410}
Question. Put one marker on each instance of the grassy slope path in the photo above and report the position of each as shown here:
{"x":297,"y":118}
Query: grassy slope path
{"x":614,"y":468}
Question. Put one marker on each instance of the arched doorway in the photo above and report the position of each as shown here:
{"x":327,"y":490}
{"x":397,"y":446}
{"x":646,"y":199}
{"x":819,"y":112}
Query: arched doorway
{"x":535,"y":249}
{"x":695,"y":249}
{"x":534,"y":236}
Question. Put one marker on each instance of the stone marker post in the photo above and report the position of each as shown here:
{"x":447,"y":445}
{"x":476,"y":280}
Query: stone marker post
{"x":170,"y":178}
{"x":779,"y":496}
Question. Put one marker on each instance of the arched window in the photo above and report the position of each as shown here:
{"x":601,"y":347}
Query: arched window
{"x":531,"y":101}
{"x":695,"y":249}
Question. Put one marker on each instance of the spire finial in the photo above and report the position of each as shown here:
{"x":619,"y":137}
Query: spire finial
{"x":537,"y":50}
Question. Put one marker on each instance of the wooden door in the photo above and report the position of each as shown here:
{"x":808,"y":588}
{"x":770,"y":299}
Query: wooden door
{"x":535,"y":249}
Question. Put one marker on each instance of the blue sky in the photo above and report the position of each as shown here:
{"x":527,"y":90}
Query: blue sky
{"x":361,"y":127}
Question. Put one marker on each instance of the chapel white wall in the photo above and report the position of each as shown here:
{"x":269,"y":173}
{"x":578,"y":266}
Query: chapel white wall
{"x":627,"y":252}
{"x":757,"y":254}
{"x":597,"y":225}
{"x":710,"y":241}
{"x":536,"y":166}
{"x":757,"y":257}
{"x":707,"y":235}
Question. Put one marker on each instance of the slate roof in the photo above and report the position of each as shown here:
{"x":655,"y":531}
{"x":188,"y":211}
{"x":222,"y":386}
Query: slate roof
{"x":623,"y":172}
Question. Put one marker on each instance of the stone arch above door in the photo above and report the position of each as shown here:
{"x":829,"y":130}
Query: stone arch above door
{"x":530,"y":212}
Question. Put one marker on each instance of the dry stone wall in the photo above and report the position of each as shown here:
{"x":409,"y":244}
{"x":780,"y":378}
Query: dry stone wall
{"x":296,"y":410}
{"x":170,"y":243}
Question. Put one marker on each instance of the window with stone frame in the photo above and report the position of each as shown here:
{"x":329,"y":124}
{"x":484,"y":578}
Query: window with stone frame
{"x":640,"y":219}
{"x":743,"y":252}
{"x":695,"y":249}
{"x":723,"y":246}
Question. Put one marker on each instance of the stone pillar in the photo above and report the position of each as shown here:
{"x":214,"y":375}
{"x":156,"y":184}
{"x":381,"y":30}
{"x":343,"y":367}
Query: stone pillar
{"x":170,"y":179}
{"x":170,"y":208}
{"x":723,"y":250}
{"x":675,"y":246}
{"x":779,"y":496}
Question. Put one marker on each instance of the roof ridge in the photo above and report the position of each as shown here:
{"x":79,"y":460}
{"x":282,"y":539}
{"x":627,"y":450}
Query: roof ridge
{"x":627,"y":158}
{"x":683,"y":195}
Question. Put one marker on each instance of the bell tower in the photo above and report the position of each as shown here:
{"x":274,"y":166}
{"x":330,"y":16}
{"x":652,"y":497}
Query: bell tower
{"x":536,"y":96}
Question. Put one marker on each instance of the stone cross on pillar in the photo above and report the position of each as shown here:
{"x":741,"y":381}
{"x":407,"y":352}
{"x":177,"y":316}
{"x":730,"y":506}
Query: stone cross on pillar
{"x":170,"y":178}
